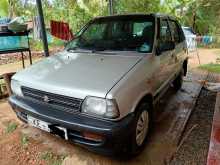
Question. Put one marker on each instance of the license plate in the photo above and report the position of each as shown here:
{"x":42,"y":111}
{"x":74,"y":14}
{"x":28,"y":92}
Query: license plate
{"x":38,"y":123}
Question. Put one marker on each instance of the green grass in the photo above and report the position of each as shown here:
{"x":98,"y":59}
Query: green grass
{"x":51,"y":158}
{"x":38,"y":45}
{"x":11,"y":127}
{"x":211,"y":67}
{"x":24,"y":140}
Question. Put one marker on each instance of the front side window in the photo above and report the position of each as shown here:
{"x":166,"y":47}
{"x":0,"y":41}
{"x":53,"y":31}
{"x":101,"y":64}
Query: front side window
{"x":165,"y":37}
{"x":120,"y":34}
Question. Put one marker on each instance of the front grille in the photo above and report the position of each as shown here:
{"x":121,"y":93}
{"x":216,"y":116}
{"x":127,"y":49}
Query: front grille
{"x":66,"y":103}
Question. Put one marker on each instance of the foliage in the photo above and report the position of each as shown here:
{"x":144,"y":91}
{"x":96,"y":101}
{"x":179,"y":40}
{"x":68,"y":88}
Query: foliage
{"x":24,"y":140}
{"x":11,"y":127}
{"x":3,"y":8}
{"x":37,"y":45}
{"x":202,"y":15}
{"x":136,"y":6}
{"x":51,"y":158}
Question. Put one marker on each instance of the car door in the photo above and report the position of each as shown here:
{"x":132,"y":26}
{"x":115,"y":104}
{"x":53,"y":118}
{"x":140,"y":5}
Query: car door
{"x":178,"y":38}
{"x":165,"y":54}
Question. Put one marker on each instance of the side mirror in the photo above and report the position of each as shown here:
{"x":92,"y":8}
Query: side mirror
{"x":165,"y":46}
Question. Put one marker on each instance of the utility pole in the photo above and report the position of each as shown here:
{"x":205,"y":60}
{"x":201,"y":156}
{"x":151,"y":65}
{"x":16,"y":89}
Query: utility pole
{"x":42,"y":27}
{"x":111,"y":7}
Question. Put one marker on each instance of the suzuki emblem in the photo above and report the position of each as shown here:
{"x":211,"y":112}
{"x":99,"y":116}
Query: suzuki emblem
{"x":46,"y":99}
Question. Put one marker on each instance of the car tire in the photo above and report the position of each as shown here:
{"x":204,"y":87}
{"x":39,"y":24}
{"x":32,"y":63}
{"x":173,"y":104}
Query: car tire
{"x":142,"y":125}
{"x":177,"y":83}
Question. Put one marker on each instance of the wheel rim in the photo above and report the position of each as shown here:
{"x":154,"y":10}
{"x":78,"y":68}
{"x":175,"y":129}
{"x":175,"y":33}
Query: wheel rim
{"x":142,"y":128}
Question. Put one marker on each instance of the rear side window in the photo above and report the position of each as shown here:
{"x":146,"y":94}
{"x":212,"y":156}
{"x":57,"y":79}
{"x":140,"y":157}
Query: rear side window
{"x":176,"y":31}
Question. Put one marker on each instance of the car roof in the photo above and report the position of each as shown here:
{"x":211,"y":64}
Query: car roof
{"x":133,"y":15}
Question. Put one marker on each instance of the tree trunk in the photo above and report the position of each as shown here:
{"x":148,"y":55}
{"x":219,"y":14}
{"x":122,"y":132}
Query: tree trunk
{"x":11,"y":8}
{"x":194,"y":21}
{"x":10,"y":11}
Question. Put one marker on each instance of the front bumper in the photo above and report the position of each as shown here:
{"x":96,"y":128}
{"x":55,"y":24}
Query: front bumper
{"x":115,"y":134}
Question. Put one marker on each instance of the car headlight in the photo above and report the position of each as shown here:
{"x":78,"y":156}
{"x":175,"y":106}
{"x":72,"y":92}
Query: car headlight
{"x":16,"y":88}
{"x":100,"y":107}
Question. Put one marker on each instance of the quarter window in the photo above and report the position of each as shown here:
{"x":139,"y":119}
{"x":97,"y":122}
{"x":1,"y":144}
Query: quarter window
{"x":165,"y":35}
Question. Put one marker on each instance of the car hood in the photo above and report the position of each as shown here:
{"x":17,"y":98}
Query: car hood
{"x":190,"y":36}
{"x":77,"y":74}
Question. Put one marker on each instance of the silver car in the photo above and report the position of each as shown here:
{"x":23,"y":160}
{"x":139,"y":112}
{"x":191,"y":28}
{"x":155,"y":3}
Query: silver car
{"x":190,"y":39}
{"x":101,"y":90}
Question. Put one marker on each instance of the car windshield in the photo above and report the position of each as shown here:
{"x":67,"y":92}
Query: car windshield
{"x":116,"y":34}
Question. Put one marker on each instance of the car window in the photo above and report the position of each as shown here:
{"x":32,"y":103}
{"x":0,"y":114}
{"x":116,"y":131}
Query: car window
{"x":175,"y":31}
{"x":165,"y":34}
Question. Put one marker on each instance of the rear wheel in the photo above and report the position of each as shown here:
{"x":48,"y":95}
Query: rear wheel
{"x":141,"y":128}
{"x":177,"y":83}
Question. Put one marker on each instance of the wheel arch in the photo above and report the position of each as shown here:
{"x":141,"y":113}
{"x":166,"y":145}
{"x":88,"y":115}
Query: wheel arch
{"x":147,"y":98}
{"x":185,"y":63}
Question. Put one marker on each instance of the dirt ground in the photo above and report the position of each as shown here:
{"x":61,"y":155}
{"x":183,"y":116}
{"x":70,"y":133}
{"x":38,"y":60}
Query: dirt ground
{"x":14,"y":67}
{"x":206,"y":56}
{"x":21,"y":144}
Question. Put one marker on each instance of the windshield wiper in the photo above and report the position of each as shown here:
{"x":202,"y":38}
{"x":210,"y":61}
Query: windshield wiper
{"x":78,"y":50}
{"x":71,"y":49}
{"x":98,"y":49}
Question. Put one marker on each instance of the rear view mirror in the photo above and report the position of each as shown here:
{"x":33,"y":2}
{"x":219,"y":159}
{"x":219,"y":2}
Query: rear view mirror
{"x":165,"y":46}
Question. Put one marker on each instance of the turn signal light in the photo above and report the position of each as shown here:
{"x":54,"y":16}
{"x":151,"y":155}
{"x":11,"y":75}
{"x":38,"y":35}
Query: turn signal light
{"x":92,"y":136}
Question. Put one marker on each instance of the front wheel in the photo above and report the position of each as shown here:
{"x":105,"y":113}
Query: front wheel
{"x":141,"y":128}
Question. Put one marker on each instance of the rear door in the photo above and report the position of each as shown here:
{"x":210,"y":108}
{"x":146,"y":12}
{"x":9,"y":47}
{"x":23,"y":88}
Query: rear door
{"x":180,"y":47}
{"x":167,"y":65}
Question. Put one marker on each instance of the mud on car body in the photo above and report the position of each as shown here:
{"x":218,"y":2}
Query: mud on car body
{"x":100,"y":90}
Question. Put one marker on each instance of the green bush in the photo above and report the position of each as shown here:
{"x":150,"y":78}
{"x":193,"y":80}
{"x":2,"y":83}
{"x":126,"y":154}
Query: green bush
{"x":11,"y":127}
{"x":37,"y":45}
{"x":211,"y":67}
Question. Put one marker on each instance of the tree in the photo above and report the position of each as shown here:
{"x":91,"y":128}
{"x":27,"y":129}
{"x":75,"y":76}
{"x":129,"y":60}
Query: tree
{"x":3,"y":8}
{"x":202,"y":15}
